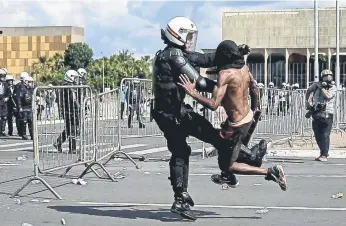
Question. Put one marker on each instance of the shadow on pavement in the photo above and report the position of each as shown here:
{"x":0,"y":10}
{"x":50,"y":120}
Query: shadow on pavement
{"x":163,"y":215}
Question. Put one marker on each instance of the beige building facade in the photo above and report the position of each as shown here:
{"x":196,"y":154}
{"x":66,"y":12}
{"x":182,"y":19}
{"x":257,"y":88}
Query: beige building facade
{"x":20,"y":47}
{"x":284,"y":33}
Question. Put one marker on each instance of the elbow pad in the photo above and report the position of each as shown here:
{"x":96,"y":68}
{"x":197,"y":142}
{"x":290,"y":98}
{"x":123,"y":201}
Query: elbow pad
{"x":205,"y":84}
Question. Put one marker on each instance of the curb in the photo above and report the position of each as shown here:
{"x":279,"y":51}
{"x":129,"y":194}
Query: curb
{"x":340,"y":154}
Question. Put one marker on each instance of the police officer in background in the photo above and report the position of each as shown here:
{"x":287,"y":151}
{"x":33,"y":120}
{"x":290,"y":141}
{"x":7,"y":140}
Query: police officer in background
{"x":322,"y":111}
{"x":4,"y":97}
{"x":11,"y":105}
{"x":69,"y":105}
{"x":23,"y":99}
{"x":135,"y":98}
{"x":17,"y":87}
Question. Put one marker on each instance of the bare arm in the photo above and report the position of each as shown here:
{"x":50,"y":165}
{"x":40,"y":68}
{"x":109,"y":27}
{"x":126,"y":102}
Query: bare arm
{"x":253,"y":93}
{"x":218,"y":94}
{"x":329,"y":94}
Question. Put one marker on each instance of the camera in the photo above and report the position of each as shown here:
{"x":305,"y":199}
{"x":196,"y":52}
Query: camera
{"x":315,"y":108}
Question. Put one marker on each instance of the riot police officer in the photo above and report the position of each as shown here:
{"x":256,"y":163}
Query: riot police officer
{"x":83,"y":80}
{"x":176,"y":119}
{"x":23,"y":98}
{"x":17,"y":87}
{"x":69,"y":105}
{"x":11,"y":106}
{"x":4,"y":97}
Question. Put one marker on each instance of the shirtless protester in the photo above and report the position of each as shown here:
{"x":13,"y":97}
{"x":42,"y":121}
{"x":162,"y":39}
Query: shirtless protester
{"x":232,"y":89}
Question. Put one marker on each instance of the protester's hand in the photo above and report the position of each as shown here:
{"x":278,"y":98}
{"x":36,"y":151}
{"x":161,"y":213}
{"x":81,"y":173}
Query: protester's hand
{"x":6,"y":99}
{"x":187,"y":85}
{"x":20,"y":109}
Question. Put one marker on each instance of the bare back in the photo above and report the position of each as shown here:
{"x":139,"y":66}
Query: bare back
{"x":235,"y":100}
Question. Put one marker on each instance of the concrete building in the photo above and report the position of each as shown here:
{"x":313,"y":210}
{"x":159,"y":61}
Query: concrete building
{"x":20,"y":47}
{"x":282,"y":41}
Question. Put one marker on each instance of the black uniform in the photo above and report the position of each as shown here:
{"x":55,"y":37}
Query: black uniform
{"x":134,"y":96}
{"x":69,"y":106}
{"x":11,"y":107}
{"x":177,"y":120}
{"x":15,"y":109}
{"x":23,"y":99}
{"x":4,"y":93}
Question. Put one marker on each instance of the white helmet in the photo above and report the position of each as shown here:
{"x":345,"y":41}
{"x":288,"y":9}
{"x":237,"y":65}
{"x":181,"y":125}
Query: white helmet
{"x":260,"y":85}
{"x":72,"y":76}
{"x":29,"y":81}
{"x":82,"y":72}
{"x":9,"y":77}
{"x":3,"y":72}
{"x":296,"y":86}
{"x":23,"y":75}
{"x":182,"y":31}
{"x":5,"y":69}
{"x":271,"y":84}
{"x":50,"y":85}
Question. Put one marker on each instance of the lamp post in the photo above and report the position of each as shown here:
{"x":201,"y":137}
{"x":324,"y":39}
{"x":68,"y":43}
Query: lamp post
{"x":103,"y":72}
{"x":337,"y":70}
{"x":316,"y":70}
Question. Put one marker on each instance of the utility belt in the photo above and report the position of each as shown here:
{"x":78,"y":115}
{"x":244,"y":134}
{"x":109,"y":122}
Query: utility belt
{"x":178,"y":114}
{"x":321,"y":115}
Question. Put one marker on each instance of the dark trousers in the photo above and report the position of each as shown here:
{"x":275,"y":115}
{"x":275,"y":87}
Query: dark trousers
{"x":322,"y":128}
{"x":122,"y":108}
{"x":25,"y":118}
{"x":3,"y":116}
{"x":71,"y":131}
{"x":134,"y":107}
{"x":176,"y":133}
{"x":10,"y":115}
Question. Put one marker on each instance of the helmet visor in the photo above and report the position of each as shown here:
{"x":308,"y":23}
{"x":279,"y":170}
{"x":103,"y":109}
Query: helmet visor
{"x":191,"y":41}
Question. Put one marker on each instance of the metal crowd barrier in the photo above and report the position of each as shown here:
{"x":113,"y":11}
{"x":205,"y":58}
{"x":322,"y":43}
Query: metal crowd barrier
{"x":139,"y":123}
{"x":68,"y":128}
{"x":96,"y":124}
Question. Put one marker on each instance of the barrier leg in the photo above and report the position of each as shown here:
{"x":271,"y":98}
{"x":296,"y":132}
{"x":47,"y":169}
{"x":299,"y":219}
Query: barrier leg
{"x":86,"y":165}
{"x":101,"y":166}
{"x":42,"y":181}
{"x":126,"y":156}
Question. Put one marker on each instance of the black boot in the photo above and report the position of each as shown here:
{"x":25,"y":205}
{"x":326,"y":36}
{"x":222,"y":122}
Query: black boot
{"x":186,"y":195}
{"x":181,"y":207}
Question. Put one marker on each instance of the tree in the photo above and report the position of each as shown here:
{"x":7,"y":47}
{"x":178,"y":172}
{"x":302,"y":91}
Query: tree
{"x":78,"y":55}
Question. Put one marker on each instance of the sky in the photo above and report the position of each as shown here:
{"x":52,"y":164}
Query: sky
{"x":113,"y":25}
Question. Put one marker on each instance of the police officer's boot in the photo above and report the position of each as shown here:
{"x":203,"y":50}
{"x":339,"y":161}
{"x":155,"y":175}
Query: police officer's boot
{"x":188,"y":198}
{"x":182,"y":199}
{"x":181,"y":207}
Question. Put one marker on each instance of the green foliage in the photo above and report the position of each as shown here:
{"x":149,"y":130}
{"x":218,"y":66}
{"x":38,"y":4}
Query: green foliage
{"x":78,"y":55}
{"x":116,"y":67}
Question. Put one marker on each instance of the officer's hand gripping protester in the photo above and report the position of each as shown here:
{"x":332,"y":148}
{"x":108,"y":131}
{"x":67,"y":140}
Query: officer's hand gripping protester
{"x":322,"y":110}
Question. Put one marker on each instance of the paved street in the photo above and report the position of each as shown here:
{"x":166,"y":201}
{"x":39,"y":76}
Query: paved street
{"x":144,"y":196}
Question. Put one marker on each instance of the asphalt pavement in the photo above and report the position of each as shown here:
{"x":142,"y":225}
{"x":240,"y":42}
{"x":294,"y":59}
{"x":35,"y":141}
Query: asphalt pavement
{"x":144,"y":196}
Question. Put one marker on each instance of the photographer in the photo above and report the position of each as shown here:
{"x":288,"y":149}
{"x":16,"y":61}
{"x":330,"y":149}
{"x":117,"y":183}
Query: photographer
{"x":322,"y":110}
